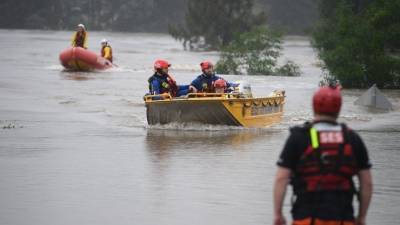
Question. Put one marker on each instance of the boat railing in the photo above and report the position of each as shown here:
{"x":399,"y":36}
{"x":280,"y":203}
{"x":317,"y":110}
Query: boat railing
{"x":165,"y":96}
{"x":168,"y":97}
{"x":214,"y":95}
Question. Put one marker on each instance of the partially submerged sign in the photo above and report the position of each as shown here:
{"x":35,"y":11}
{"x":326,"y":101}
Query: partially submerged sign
{"x":374,"y":98}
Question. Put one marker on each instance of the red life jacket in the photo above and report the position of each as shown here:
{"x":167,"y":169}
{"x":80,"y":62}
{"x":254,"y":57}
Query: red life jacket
{"x":327,"y":164}
{"x":173,"y":87}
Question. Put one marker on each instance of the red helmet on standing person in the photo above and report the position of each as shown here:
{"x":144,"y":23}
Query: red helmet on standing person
{"x":206,"y":65}
{"x":161,"y":64}
{"x":327,"y":100}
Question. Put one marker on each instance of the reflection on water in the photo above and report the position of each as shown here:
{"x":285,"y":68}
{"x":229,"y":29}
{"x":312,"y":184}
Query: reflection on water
{"x":162,"y":139}
{"x":78,"y":76}
{"x":213,"y":174}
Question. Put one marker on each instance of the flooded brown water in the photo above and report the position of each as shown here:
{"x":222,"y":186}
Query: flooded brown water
{"x":75,"y":148}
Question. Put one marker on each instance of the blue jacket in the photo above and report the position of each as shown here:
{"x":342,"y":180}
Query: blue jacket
{"x":161,"y":84}
{"x":204,"y":83}
{"x":158,"y":84}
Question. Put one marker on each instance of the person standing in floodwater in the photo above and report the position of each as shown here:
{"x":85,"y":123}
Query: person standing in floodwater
{"x":319,"y":160}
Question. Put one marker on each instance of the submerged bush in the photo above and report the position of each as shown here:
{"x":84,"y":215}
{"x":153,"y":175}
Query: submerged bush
{"x":288,"y":69}
{"x":255,"y":52}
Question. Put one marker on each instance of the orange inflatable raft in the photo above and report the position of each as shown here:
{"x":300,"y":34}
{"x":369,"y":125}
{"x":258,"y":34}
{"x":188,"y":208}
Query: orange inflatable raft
{"x":81,"y":59}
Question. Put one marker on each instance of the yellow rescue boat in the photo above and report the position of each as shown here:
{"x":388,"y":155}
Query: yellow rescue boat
{"x":232,"y":109}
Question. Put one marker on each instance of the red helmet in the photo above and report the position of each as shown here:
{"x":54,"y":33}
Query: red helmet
{"x":220,"y":83}
{"x":161,"y":64}
{"x":206,"y":65}
{"x":327,"y":100}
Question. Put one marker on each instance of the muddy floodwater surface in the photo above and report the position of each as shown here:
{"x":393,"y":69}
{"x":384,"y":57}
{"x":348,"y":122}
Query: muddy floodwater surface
{"x":75,"y":147}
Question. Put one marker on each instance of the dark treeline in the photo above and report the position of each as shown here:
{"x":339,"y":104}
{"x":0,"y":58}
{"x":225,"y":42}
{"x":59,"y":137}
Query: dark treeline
{"x":358,"y":40}
{"x":293,"y":17}
{"x":121,"y":15}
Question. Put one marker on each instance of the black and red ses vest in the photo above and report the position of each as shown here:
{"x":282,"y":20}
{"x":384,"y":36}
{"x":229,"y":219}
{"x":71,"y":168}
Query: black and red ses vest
{"x":327,"y":164}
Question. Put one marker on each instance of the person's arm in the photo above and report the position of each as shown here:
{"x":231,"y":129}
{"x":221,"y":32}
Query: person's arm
{"x":155,"y":87}
{"x":364,"y":176}
{"x":231,"y":84}
{"x":85,"y":42}
{"x":194,"y":86}
{"x":365,"y":195}
{"x":73,"y":40}
{"x":192,"y":89}
{"x":281,"y":182}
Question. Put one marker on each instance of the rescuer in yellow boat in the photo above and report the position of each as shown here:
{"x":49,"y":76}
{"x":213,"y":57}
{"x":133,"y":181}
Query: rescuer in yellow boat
{"x":220,"y":86}
{"x":106,"y":50}
{"x":80,"y":37}
{"x":205,"y":81}
{"x":163,"y":83}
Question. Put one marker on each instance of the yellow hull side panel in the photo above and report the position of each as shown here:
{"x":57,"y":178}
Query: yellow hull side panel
{"x":218,"y":110}
{"x":253,"y":113}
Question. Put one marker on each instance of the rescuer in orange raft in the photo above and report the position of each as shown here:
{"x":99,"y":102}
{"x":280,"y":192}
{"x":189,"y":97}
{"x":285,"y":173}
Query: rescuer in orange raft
{"x":80,"y":37}
{"x":319,"y":160}
{"x":106,"y":50}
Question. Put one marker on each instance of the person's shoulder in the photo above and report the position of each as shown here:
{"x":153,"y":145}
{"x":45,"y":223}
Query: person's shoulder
{"x":352,"y":134}
{"x":299,"y":132}
{"x":349,"y":130}
{"x":153,"y":78}
{"x":198,"y":78}
{"x":300,"y":128}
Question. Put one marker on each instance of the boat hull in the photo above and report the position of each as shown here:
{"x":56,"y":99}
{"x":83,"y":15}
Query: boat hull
{"x":246,"y":112}
{"x":81,"y":59}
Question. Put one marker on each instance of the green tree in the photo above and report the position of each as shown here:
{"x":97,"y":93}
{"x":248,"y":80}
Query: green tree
{"x":256,"y":53}
{"x":213,"y":23}
{"x":359,"y":42}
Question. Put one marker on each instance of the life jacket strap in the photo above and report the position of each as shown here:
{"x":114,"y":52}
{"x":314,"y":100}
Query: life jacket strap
{"x":314,"y":138}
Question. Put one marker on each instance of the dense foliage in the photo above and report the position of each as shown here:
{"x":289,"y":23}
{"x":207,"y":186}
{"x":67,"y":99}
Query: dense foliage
{"x":213,"y":23}
{"x":121,"y":15}
{"x":359,"y":42}
{"x":256,"y":53}
{"x":137,"y":15}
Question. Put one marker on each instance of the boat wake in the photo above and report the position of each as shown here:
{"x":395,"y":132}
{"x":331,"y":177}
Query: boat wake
{"x":210,"y":127}
{"x":193,"y":127}
{"x":54,"y":67}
